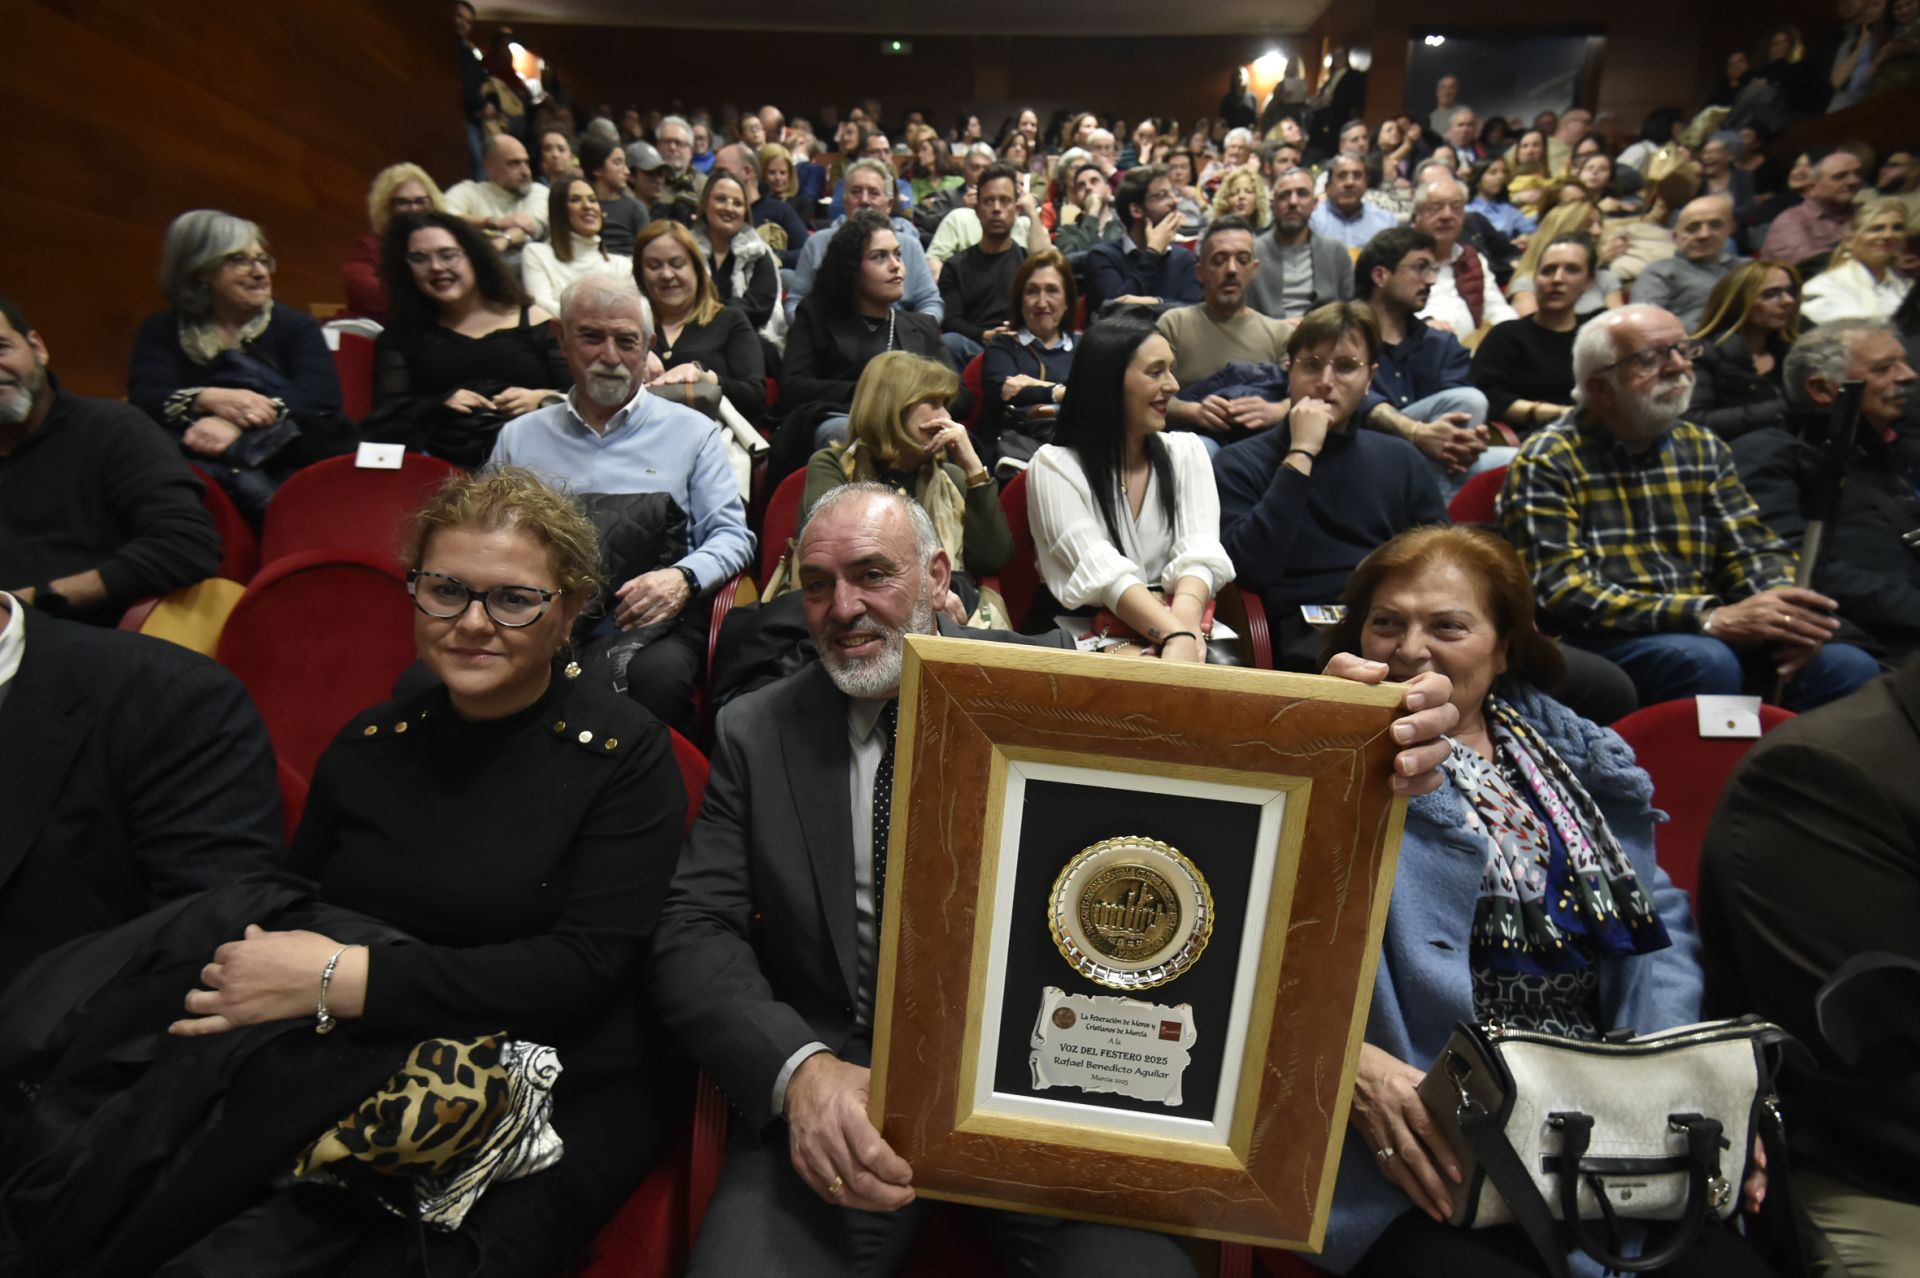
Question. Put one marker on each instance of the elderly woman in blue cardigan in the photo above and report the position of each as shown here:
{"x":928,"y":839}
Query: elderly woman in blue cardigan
{"x":1527,"y":894}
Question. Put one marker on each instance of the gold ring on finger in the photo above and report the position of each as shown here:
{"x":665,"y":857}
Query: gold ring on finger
{"x":839,"y":1183}
{"x":1384,"y":1153}
{"x":1786,"y":619}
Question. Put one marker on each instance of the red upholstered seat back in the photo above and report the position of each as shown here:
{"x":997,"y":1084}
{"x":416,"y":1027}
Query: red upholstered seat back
{"x":293,"y":798}
{"x":239,"y":548}
{"x":317,"y":638}
{"x":693,"y":773}
{"x":782,"y":521}
{"x":1020,"y":579}
{"x":970,"y":377}
{"x":1473,"y":504}
{"x":1689,"y":771}
{"x":334,"y":505}
{"x":353,"y":361}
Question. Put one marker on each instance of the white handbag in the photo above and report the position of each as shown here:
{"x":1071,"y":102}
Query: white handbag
{"x":1556,"y":1134}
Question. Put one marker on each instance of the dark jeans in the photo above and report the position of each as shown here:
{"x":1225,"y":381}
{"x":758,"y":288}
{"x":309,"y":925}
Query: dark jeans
{"x":662,"y":675}
{"x":1415,"y":1246}
{"x":1667,"y":667}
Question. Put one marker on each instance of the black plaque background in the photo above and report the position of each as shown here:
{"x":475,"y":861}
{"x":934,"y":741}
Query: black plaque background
{"x":1059,"y":819}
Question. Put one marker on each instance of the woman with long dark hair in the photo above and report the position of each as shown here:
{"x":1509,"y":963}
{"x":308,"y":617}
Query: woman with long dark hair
{"x":1124,"y":516}
{"x":464,"y":351}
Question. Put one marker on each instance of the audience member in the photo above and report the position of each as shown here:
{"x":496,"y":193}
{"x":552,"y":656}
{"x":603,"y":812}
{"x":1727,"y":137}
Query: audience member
{"x":1465,"y":296}
{"x":1023,"y":373}
{"x":1809,"y":866}
{"x":1529,"y":896}
{"x":1344,"y":214}
{"x":140,"y":771}
{"x":1855,"y":59}
{"x":1701,"y":259}
{"x":610,"y":437}
{"x":742,"y":266}
{"x":1568,"y":132}
{"x":1489,"y":183}
{"x":1862,"y":279}
{"x":647,"y":172}
{"x":1644,"y":545}
{"x":1193,"y":209}
{"x":771,"y":217}
{"x":779,"y":187}
{"x":696,"y":337}
{"x":1525,"y":366}
{"x":1243,"y":194}
{"x":247,"y":383}
{"x":556,"y":156}
{"x":1220,"y":331}
{"x":1719,"y":176}
{"x":1423,"y":372}
{"x":781,"y":1027}
{"x":508,"y":205}
{"x":622,"y":218}
{"x":851,"y":315}
{"x":1824,"y":218}
{"x":1752,"y":318}
{"x":1869,"y":564}
{"x":535,"y":927}
{"x":901,"y":435}
{"x":680,"y":179}
{"x":1124,"y":514}
{"x":1144,"y":266}
{"x":1236,"y":155}
{"x":573,"y":249}
{"x":1463,"y":135}
{"x":1577,"y":217}
{"x":1302,"y":503}
{"x":976,"y":286}
{"x":866,"y":186}
{"x":959,"y":229}
{"x":1088,"y":217}
{"x":101,"y":510}
{"x":1300,"y":270}
{"x":702,"y":145}
{"x":396,"y":189}
{"x":1532,"y":179}
{"x":1446,"y":102}
{"x":464,"y":351}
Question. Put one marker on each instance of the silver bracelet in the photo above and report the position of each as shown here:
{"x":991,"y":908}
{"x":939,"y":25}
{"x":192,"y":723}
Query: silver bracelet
{"x":323,"y":1020}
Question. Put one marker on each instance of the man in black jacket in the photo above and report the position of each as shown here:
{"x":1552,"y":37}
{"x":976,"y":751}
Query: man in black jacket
{"x":976,"y":286}
{"x":135,"y":772}
{"x":100,"y":509}
{"x":1871,"y":563}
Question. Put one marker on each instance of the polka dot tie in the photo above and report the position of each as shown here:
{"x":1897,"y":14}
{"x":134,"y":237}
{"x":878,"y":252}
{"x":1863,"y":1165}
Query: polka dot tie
{"x":883,"y":808}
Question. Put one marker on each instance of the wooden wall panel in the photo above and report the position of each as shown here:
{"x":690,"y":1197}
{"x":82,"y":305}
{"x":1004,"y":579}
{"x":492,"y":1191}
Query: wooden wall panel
{"x":130,"y":113}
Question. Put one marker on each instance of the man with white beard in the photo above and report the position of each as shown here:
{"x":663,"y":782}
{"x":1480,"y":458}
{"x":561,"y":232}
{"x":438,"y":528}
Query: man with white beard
{"x":765,"y":960}
{"x":1644,"y":546}
{"x":610,"y":437}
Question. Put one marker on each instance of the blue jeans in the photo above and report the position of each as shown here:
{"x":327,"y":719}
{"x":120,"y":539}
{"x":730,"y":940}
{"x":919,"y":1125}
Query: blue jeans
{"x":961,"y":347}
{"x":1459,"y":399}
{"x":1666,"y":667}
{"x":831,"y":430}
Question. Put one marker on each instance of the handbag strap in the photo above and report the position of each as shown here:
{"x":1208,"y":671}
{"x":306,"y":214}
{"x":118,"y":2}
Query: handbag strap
{"x":1486,"y":1137}
{"x":1703,"y":1170}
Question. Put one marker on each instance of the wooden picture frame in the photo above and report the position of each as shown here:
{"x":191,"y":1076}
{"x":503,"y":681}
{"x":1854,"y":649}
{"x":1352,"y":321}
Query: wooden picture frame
{"x":1003,"y":747}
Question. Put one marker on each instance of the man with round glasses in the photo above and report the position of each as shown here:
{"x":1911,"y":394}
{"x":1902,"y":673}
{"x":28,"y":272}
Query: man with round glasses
{"x":1646,"y":548}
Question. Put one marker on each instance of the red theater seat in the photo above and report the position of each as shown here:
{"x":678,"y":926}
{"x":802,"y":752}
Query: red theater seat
{"x":334,"y":505}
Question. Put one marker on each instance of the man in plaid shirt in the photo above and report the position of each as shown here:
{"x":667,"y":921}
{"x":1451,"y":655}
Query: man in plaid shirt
{"x":1645,"y":548}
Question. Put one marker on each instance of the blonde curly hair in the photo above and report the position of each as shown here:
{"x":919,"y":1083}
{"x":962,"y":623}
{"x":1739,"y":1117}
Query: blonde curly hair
{"x":513,"y":498}
{"x":1263,"y":208}
{"x":391,"y":179}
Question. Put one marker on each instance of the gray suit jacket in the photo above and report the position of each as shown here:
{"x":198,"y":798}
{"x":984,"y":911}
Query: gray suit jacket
{"x":756,"y":954}
{"x":1332,"y":275}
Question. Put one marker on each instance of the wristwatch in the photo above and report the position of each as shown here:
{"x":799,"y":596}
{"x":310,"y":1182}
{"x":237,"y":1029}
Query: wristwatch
{"x":693,"y":582}
{"x":51,"y":601}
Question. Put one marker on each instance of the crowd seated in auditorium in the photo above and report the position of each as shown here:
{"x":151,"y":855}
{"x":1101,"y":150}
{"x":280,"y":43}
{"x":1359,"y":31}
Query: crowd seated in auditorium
{"x":1532,"y":417}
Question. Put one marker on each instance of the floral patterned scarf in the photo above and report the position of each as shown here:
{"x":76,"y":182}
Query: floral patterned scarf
{"x":1556,"y":893}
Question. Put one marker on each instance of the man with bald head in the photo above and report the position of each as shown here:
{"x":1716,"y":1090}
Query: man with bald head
{"x":509,"y":205}
{"x":1701,"y":258}
{"x":1825,"y":217}
{"x":609,"y":437}
{"x":1645,"y":547}
{"x":1446,"y":104}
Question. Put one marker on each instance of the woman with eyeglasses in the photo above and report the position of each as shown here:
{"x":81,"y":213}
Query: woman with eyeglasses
{"x":1752,"y":320}
{"x":506,"y":836}
{"x":397,"y":189}
{"x":245,"y":382}
{"x":1125,"y":515}
{"x":464,"y":352}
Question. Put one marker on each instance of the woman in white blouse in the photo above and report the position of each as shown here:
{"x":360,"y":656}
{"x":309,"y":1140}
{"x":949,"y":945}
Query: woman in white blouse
{"x":1124,"y":516}
{"x":1860,"y":281}
{"x":573,"y":248}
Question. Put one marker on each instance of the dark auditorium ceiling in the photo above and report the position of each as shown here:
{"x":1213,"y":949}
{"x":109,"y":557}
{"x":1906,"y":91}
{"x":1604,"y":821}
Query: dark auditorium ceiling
{"x":932,"y":17}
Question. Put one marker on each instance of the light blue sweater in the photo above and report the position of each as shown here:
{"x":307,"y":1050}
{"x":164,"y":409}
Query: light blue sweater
{"x":1424,"y":983}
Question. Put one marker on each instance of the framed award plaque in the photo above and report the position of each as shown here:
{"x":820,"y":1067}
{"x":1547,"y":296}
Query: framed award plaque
{"x":1132,"y":915}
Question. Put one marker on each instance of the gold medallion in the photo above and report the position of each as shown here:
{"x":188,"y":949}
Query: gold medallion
{"x":1130,"y":913}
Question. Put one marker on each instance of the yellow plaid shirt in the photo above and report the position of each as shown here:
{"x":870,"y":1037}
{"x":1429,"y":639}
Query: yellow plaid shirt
{"x":1640,"y":544}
